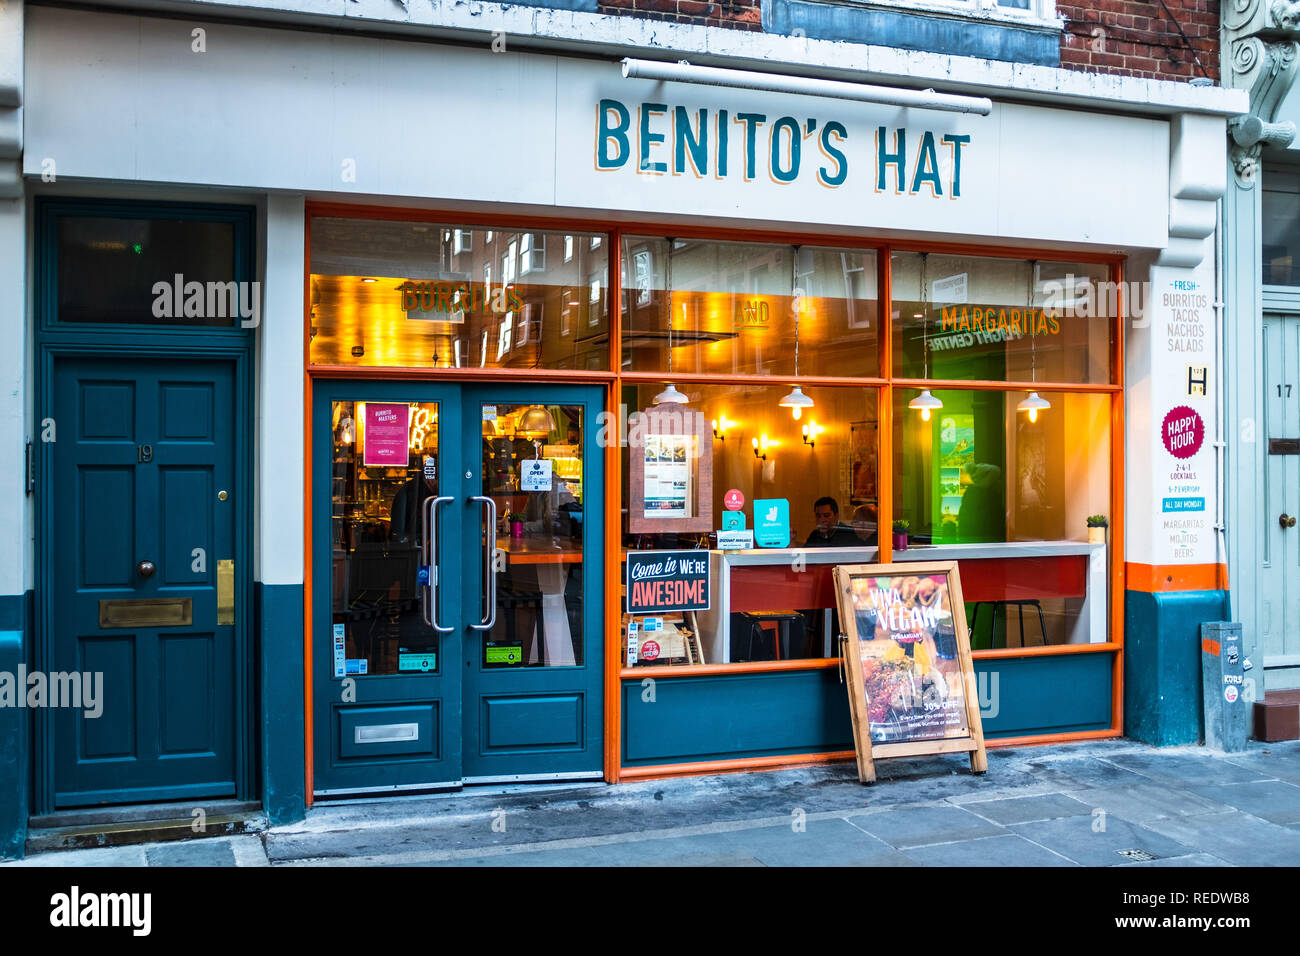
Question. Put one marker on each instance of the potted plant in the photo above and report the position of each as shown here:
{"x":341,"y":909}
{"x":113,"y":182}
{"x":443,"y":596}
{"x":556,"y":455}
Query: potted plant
{"x":901,"y":527}
{"x":1097,"y":525}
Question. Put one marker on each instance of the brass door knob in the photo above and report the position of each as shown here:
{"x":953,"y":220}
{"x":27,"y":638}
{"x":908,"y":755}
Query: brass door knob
{"x":1286,"y":520}
{"x":146,"y":569}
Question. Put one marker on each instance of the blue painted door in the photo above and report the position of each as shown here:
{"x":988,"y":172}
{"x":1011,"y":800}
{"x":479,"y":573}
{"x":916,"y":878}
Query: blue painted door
{"x":533,"y":584}
{"x":445,"y":649}
{"x":142,"y":510}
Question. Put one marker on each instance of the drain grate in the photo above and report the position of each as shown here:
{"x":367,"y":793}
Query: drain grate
{"x":1138,"y":856}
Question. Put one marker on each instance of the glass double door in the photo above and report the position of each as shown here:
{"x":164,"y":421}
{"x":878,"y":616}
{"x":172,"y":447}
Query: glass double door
{"x":458,"y":585}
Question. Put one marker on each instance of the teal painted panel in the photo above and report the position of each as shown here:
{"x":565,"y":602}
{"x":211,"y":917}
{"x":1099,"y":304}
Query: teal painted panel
{"x":1044,"y":695}
{"x":1162,"y":664}
{"x":551,"y":722}
{"x":372,"y":733}
{"x":279,"y":624}
{"x":15,"y":754}
{"x":726,"y":717}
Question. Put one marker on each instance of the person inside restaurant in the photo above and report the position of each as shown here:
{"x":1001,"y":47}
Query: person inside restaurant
{"x":829,"y":533}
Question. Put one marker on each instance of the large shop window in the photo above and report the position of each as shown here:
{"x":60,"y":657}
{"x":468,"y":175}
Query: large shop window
{"x":729,"y":307}
{"x":413,"y":294}
{"x":810,"y":490}
{"x":986,"y":319}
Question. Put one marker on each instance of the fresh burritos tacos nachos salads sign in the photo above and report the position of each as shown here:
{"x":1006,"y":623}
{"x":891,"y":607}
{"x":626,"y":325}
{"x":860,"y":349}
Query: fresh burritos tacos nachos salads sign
{"x":906,"y":651}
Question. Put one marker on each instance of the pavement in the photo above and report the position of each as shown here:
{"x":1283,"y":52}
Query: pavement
{"x":1106,"y":803}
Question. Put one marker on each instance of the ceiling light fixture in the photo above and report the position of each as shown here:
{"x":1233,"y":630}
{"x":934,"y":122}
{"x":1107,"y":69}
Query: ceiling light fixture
{"x":1033,"y":404}
{"x":924,"y":403}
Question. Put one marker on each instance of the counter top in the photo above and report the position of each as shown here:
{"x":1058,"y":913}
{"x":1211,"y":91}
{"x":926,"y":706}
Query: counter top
{"x":866,"y":554}
{"x":995,"y":549}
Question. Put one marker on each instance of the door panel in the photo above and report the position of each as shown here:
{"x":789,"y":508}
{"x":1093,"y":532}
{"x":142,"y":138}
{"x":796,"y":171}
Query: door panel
{"x":520,"y":697}
{"x":533,"y":699}
{"x":387,"y":708}
{"x":142,"y":448}
{"x":1279,"y":617}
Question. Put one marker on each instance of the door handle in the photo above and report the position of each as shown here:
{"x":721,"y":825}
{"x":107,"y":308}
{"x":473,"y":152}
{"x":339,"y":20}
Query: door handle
{"x":489,"y":578}
{"x":146,"y":569}
{"x":1286,"y":520}
{"x":428,"y":542}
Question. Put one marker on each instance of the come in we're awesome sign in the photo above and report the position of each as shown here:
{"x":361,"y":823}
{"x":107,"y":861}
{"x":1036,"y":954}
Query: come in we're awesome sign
{"x":667,"y":581}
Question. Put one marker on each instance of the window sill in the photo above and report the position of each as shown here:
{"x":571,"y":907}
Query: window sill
{"x":960,"y":11}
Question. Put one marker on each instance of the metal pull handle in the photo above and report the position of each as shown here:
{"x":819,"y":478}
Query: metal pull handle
{"x":489,"y":578}
{"x":146,"y":569}
{"x":1286,"y":521}
{"x":428,"y":543}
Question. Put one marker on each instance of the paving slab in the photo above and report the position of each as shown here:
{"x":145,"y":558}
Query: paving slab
{"x":1271,"y":800}
{"x":1076,"y":839}
{"x":1193,"y":859}
{"x":1024,"y":809}
{"x":1084,"y":773}
{"x":833,"y":842}
{"x":1147,"y":801}
{"x":918,"y":826}
{"x":1236,"y":837}
{"x":1185,"y":769}
{"x":1007,"y":850}
{"x":192,"y":853}
{"x":1280,"y":761}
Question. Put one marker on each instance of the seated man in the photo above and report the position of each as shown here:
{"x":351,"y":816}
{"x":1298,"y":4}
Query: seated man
{"x":829,"y":533}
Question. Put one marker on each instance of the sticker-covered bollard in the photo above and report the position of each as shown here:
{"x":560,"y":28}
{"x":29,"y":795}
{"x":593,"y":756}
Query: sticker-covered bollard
{"x":1223,"y":686}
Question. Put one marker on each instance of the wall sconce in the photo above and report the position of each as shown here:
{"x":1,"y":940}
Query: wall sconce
{"x":810,"y":433}
{"x":763,"y":456}
{"x":720,"y":426}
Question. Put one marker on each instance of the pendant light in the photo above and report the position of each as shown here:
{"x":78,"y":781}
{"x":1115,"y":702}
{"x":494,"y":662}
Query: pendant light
{"x":535,"y":421}
{"x":796,"y":401}
{"x":1033,"y":404}
{"x":670,"y":395}
{"x":925,"y":403}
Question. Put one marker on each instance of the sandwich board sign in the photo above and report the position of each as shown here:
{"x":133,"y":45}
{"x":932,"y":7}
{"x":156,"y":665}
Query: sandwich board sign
{"x":906,"y":652}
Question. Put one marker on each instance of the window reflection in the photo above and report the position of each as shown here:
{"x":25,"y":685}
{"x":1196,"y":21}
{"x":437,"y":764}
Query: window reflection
{"x":425,"y":294}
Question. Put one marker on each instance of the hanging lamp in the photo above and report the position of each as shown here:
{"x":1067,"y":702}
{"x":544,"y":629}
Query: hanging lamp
{"x":670,"y":395}
{"x":1033,"y":404}
{"x":535,"y":420}
{"x":925,"y":403}
{"x":796,"y":401}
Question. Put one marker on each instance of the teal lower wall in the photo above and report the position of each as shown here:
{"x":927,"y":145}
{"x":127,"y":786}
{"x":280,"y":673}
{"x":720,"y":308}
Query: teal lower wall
{"x":15,"y":730}
{"x":280,"y":701}
{"x":1162,"y":664}
{"x":728,"y":717}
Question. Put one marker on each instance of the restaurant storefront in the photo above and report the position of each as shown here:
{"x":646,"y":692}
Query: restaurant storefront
{"x":781,"y":332}
{"x":525,"y":469}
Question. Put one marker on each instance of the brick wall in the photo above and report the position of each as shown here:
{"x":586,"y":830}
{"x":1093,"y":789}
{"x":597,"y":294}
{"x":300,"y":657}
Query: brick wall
{"x":1132,"y":38}
{"x":1124,"y":37}
{"x":737,"y":14}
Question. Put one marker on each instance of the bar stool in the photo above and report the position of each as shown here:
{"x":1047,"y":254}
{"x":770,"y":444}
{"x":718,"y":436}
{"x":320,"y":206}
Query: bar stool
{"x":780,"y":621}
{"x":993,"y":625}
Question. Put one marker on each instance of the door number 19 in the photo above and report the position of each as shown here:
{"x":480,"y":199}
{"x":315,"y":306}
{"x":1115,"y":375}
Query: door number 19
{"x":144,"y":452}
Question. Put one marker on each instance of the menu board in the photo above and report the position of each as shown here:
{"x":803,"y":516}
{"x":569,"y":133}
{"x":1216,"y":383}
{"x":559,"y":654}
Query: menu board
{"x":906,"y":651}
{"x":386,"y":434}
{"x":670,"y":464}
{"x":668,"y":490}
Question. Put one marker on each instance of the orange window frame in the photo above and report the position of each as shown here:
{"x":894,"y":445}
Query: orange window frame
{"x":613,"y":378}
